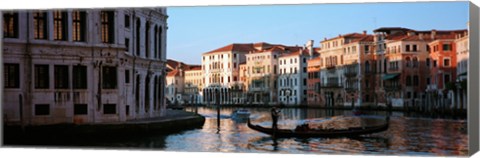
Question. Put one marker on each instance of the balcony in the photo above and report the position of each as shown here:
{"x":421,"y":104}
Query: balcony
{"x":392,"y":88}
{"x":331,"y":85}
{"x":351,"y":90}
{"x":330,"y":66}
{"x":350,"y":74}
{"x":393,"y":69}
{"x":432,"y":87}
{"x":258,"y":89}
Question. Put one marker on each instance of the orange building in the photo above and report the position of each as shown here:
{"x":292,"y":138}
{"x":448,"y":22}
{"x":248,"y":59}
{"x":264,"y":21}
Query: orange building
{"x":313,"y":82}
{"x":407,"y":61}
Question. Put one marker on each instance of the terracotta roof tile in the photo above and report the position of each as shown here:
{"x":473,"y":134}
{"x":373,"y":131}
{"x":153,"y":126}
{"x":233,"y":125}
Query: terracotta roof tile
{"x":234,"y":47}
{"x":173,"y":73}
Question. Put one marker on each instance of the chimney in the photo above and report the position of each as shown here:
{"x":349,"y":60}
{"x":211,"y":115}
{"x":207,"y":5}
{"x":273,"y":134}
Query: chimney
{"x":410,"y":33}
{"x":364,"y":32}
{"x":310,"y":47}
{"x":434,"y":33}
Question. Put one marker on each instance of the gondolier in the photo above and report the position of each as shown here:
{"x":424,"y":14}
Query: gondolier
{"x":275,"y":112}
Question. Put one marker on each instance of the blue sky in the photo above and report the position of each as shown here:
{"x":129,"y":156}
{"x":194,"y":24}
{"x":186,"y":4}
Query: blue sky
{"x":196,"y":30}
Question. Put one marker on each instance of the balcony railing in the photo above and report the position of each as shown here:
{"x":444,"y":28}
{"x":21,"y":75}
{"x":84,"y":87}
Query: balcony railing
{"x":258,"y":89}
{"x":432,"y":87}
{"x":393,"y":69}
{"x":350,"y":74}
{"x":330,"y":66}
{"x":331,"y":85}
{"x":392,"y":88}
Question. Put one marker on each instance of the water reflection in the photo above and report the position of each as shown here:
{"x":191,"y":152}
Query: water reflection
{"x":406,"y":135}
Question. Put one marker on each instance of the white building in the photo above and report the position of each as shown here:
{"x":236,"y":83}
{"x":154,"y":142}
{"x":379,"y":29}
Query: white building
{"x":175,"y":83}
{"x":83,"y":66}
{"x":292,"y":78}
{"x":221,"y":71}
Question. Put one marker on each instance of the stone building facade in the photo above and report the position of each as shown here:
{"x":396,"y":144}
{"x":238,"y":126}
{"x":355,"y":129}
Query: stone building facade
{"x":407,"y":62}
{"x":313,"y":82}
{"x":462,"y":52}
{"x":220,"y":68}
{"x":292,"y":79}
{"x":194,"y":85}
{"x":175,"y":86}
{"x":332,"y":68}
{"x":359,"y":69}
{"x":83,"y":66}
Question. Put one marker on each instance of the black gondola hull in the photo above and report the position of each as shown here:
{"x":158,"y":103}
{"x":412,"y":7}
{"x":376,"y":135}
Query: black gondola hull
{"x":350,"y":132}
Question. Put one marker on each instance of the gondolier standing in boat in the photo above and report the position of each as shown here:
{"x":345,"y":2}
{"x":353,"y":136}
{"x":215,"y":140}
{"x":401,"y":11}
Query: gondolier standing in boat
{"x":275,"y":112}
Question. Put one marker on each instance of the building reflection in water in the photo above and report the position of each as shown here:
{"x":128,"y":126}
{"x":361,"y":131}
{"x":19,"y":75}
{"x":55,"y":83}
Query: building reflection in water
{"x":406,"y":135}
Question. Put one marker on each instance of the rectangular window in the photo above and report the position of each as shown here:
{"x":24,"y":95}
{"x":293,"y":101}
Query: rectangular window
{"x":414,"y":47}
{"x":40,"y":25}
{"x":60,"y":25}
{"x":60,"y":76}
{"x":42,"y":109}
{"x":428,"y":80}
{"x":446,"y":62}
{"x":428,"y":48}
{"x":78,"y":26}
{"x":427,"y":61}
{"x":127,"y":21}
{"x":109,"y":76}
{"x":79,"y":77}
{"x":107,"y":20}
{"x":109,"y":109}
{"x":275,"y":69}
{"x":434,"y":63}
{"x":10,"y":25}
{"x":407,"y":49}
{"x":366,"y":49}
{"x":11,"y":75}
{"x":446,"y":79}
{"x":415,"y":80}
{"x":42,"y":77}
{"x":127,"y":110}
{"x":127,"y":76}
{"x":127,"y":44}
{"x":80,"y":109}
{"x":447,"y":47}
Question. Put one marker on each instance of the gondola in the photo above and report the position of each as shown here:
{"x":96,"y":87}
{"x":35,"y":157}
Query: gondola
{"x":350,"y":132}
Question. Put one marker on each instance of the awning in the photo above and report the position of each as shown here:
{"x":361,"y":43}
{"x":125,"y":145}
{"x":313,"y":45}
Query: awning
{"x":390,"y":76}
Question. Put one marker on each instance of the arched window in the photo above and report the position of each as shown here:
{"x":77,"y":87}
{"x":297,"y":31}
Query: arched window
{"x":137,"y":38}
{"x":155,"y":42}
{"x":385,"y":65}
{"x":160,"y":34}
{"x":147,"y":93}
{"x":137,"y":93}
{"x":147,"y":39}
{"x":409,"y":81}
{"x":407,"y":59}
{"x":367,"y":66}
{"x":415,"y":62}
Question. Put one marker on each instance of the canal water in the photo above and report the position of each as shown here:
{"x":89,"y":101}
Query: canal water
{"x":407,"y":135}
